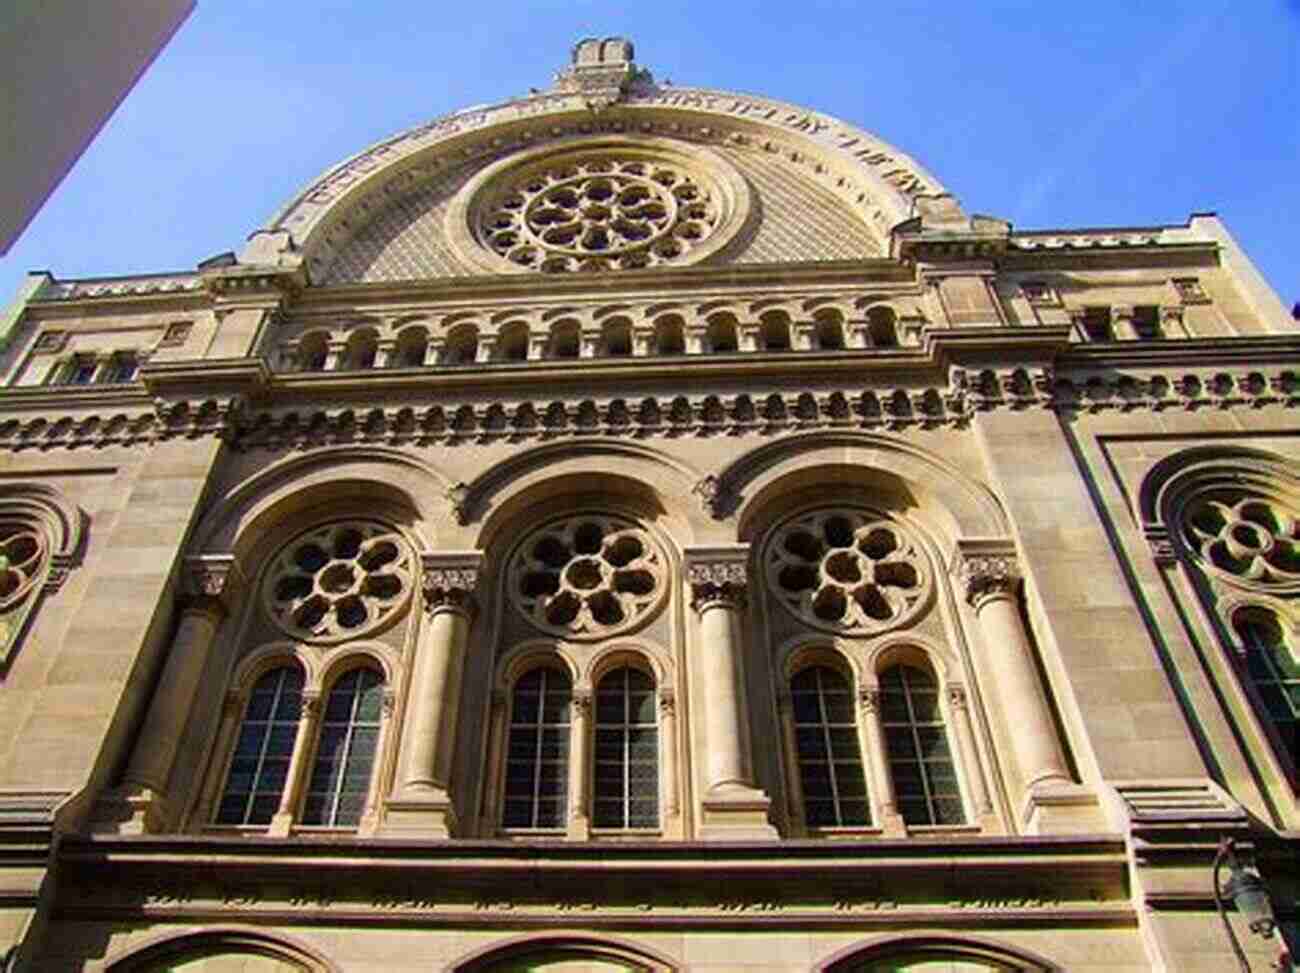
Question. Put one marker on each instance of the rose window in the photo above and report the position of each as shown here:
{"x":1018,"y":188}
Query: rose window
{"x":601,"y":214}
{"x":22,"y":556}
{"x":847,"y":570}
{"x":1250,"y":539}
{"x":588,"y":576}
{"x":339,"y":582}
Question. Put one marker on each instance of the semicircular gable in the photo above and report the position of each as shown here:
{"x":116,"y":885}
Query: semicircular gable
{"x":823,"y":189}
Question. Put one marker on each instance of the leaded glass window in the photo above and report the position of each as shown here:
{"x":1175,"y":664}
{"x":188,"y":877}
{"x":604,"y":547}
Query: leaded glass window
{"x":537,"y":750}
{"x":260,"y":765}
{"x":345,"y":755}
{"x":830,"y":760}
{"x":920,"y":762}
{"x":1275,"y":674}
{"x":627,"y":751}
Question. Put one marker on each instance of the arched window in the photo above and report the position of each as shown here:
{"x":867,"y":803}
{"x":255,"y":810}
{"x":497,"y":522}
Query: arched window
{"x":722,"y":333}
{"x":564,"y":339}
{"x":920,"y":761}
{"x":260,"y":764}
{"x":627,"y":751}
{"x":776,"y":331}
{"x":826,"y":741}
{"x":361,"y":350}
{"x":462,"y":346}
{"x":670,"y":336}
{"x":313,"y":352}
{"x":882,"y":327}
{"x":537,"y":750}
{"x":345,"y":755}
{"x":830,"y":331}
{"x":512,"y":343}
{"x":1275,"y":674}
{"x":616,"y":337}
{"x":412,"y":347}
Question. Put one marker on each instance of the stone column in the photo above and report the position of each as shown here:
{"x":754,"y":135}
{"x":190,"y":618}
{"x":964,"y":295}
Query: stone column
{"x":672,"y":809}
{"x":790,"y":747}
{"x":296,"y":777}
{"x":991,"y":582}
{"x":423,"y":802}
{"x":385,"y":353}
{"x":589,"y":342}
{"x":643,"y":340}
{"x":970,"y":761}
{"x":142,"y":803}
{"x":733,"y":808}
{"x":875,"y":755}
{"x":578,"y":826}
{"x":496,"y":763}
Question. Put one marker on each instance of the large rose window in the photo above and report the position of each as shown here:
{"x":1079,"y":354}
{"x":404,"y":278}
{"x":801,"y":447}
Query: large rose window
{"x":847,"y":570}
{"x":588,"y":576}
{"x":339,"y":581}
{"x":1247,"y":539}
{"x":620,"y":204}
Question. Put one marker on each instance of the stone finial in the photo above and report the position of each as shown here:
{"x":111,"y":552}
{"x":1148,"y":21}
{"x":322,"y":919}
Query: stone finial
{"x":601,"y":71}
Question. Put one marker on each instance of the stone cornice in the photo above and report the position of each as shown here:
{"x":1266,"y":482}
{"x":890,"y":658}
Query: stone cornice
{"x":370,"y":407}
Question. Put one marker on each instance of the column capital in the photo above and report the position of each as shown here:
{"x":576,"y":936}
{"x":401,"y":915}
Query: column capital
{"x":718,"y":575}
{"x":986,"y":569}
{"x":869,"y":700}
{"x":957,"y":696}
{"x":449,"y":579}
{"x":312,"y":703}
{"x":667,"y":701}
{"x":581,"y":703}
{"x":210,"y":582}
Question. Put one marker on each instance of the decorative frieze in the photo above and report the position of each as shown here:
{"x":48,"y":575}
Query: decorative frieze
{"x":708,"y":415}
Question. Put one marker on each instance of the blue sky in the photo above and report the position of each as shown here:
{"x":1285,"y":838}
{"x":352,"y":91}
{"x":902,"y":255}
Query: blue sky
{"x":1127,"y":114}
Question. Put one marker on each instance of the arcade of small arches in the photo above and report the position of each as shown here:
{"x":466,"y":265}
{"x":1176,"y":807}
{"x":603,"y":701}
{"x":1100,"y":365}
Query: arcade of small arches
{"x":269,"y":952}
{"x":466,"y":340}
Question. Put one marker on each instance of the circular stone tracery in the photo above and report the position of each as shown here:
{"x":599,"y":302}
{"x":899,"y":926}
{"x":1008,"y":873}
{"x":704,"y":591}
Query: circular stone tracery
{"x":587,"y":576}
{"x":1246,"y":539}
{"x":615,"y":204}
{"x":22,"y":556}
{"x":339,"y":581}
{"x":848,"y":571}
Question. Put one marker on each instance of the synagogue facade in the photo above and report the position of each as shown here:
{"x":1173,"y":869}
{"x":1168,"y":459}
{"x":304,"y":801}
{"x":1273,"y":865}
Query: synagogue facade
{"x":642,"y":527}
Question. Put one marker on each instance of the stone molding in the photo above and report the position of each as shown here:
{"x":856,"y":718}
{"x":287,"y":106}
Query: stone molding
{"x":717,"y":574}
{"x":449,"y":580}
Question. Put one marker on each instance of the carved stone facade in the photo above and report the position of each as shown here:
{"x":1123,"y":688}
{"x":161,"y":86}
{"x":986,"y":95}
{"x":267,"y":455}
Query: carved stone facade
{"x":646,"y":527}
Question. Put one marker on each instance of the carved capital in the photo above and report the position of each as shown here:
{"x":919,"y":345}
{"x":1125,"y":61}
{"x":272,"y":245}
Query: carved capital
{"x":986,"y":570}
{"x":499,"y":700}
{"x":718,"y":583}
{"x":869,"y":700}
{"x":312,"y":703}
{"x":211,"y":581}
{"x":667,"y":702}
{"x":448,"y":580}
{"x":581,"y":704}
{"x":233,"y":705}
{"x":717,"y":575}
{"x":957,"y":697}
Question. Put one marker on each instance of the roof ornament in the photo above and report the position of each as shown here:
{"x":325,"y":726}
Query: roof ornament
{"x":602,"y":72}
